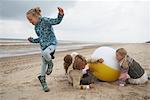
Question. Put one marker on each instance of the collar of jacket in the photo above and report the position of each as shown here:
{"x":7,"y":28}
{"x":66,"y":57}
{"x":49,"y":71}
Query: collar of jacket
{"x":40,"y":19}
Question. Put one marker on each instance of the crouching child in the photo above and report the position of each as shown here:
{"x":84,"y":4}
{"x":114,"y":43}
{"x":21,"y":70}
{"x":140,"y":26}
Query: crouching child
{"x":131,"y":71}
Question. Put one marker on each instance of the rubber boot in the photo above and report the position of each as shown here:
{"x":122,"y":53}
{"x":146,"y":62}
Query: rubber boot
{"x":50,"y":67}
{"x":43,"y":83}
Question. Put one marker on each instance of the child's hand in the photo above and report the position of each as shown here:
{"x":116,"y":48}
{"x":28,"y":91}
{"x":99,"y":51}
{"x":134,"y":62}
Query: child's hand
{"x":124,"y":76}
{"x":61,"y":11}
{"x":100,"y":60}
{"x":30,"y":39}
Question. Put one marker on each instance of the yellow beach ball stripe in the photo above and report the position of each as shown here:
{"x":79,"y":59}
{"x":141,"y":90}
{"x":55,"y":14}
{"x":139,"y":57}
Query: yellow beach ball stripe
{"x":104,"y":72}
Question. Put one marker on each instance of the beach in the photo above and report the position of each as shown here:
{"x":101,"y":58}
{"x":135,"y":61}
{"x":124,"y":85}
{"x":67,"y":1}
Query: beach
{"x":19,"y":71}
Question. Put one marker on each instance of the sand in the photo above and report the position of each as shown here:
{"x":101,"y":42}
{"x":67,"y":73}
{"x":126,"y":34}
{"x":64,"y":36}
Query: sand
{"x":18,"y":79}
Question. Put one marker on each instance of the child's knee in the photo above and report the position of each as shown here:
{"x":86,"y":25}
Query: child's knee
{"x":46,"y":55}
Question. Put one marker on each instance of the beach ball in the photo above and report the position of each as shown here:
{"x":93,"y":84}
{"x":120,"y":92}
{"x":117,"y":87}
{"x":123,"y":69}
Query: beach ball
{"x":109,"y":69}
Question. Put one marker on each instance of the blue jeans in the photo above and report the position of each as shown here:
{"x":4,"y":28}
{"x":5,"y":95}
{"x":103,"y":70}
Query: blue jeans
{"x":46,"y":57}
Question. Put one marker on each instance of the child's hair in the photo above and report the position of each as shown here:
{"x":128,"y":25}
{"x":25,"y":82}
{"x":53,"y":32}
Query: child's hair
{"x":121,"y":51}
{"x":35,"y":12}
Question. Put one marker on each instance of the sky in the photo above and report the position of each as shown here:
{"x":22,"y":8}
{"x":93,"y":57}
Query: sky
{"x":84,"y":20}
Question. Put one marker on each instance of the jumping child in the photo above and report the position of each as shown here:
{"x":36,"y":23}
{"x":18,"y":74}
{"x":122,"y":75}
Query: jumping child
{"x":46,"y":39}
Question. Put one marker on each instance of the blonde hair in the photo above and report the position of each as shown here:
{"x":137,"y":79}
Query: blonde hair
{"x":121,"y":51}
{"x":34,"y":11}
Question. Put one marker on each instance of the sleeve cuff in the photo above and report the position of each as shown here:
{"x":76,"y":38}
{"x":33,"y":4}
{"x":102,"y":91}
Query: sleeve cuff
{"x":60,"y":15}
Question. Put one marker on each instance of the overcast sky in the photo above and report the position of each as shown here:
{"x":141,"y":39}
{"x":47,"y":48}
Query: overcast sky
{"x":100,"y":21}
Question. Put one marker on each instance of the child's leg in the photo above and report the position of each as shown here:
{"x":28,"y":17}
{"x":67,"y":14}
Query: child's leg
{"x":49,"y":68}
{"x":48,"y":51}
{"x":47,"y":54}
{"x":43,"y":66}
{"x":42,"y":77}
{"x":143,"y":79}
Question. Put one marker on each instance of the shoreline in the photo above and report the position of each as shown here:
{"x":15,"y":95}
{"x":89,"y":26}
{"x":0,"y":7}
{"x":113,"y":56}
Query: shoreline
{"x":57,"y":51}
{"x":30,"y":49}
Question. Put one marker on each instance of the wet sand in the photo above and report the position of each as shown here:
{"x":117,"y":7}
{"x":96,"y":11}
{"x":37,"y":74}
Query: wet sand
{"x":18,"y":79}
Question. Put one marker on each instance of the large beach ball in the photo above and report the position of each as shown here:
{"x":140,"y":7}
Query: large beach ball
{"x":109,"y":69}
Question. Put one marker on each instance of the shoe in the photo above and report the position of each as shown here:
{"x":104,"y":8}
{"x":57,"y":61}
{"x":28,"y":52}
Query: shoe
{"x":43,"y":83}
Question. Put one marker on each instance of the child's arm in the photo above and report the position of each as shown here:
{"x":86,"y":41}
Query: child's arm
{"x":123,"y":76}
{"x":30,"y":39}
{"x":91,"y":60}
{"x":124,"y":72}
{"x":124,"y":69}
{"x":55,"y":21}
